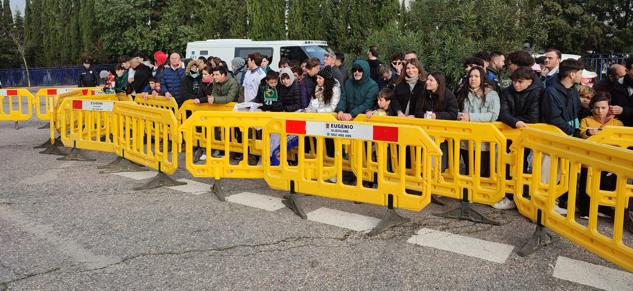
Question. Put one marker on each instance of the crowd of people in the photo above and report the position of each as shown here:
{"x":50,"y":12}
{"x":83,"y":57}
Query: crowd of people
{"x":516,"y":89}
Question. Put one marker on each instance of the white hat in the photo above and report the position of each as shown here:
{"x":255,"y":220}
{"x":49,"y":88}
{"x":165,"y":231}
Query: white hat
{"x":588,"y":74}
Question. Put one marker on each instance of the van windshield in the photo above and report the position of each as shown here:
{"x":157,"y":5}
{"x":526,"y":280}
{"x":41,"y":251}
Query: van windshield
{"x":316,"y":51}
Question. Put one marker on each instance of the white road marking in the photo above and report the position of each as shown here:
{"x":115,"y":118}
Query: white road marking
{"x":487,"y":250}
{"x":264,"y":202}
{"x":138,"y":175}
{"x":343,"y":219}
{"x":65,"y":245}
{"x":192,"y":187}
{"x":592,"y":275}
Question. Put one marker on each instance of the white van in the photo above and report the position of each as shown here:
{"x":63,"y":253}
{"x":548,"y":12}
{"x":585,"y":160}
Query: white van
{"x":227,"y":49}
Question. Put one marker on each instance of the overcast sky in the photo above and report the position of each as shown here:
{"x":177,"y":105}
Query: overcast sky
{"x":17,"y":4}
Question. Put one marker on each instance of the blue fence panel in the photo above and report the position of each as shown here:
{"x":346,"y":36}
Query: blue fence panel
{"x":600,"y":63}
{"x":46,"y":76}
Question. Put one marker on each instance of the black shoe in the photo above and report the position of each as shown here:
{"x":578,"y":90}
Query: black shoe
{"x":253,"y":160}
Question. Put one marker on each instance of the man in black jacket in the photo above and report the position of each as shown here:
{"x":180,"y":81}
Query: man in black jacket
{"x":520,"y":101}
{"x":88,"y":76}
{"x":622,"y":96}
{"x":560,"y":104}
{"x":141,"y":77}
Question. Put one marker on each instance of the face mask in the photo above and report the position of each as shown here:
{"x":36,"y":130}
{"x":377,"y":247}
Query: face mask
{"x":621,"y":80}
{"x":195,"y":75}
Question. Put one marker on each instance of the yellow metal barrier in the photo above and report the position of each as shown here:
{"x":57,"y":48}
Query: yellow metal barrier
{"x":536,"y":198}
{"x":160,"y":102}
{"x":409,"y":190}
{"x":188,"y":108}
{"x":13,"y":107}
{"x":512,"y":134}
{"x":44,"y":97}
{"x":619,"y":136}
{"x":87,"y":124}
{"x":469,"y":185}
{"x":304,"y":166}
{"x":146,"y":136}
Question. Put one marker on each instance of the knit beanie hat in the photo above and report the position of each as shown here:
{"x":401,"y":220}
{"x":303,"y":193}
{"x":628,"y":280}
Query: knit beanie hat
{"x":326,"y":73}
{"x":160,"y":57}
{"x":238,"y":62}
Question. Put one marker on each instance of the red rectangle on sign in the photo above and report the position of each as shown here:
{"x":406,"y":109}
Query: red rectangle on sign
{"x":386,"y":133}
{"x":12,"y":92}
{"x":51,"y":92}
{"x":84,"y":92}
{"x":78,"y":104}
{"x":296,"y":126}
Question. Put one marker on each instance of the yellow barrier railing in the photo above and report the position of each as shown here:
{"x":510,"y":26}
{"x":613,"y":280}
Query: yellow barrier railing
{"x":536,"y":197}
{"x":160,"y":102}
{"x":44,"y":97}
{"x":319,"y":167}
{"x":619,"y":136}
{"x":13,"y":107}
{"x":148,"y":136}
{"x":87,"y":124}
{"x":482,"y":140}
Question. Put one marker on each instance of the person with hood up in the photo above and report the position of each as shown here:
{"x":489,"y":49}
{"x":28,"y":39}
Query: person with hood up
{"x":360,"y":92}
{"x":289,"y":91}
{"x":190,"y":84}
{"x":160,"y":58}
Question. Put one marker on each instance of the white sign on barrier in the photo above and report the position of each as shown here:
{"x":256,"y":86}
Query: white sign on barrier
{"x":343,"y":130}
{"x":93,"y":105}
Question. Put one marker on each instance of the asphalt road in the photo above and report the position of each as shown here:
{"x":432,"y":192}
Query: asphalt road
{"x":64,"y":226}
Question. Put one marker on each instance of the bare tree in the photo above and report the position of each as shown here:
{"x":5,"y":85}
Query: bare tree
{"x":10,"y":32}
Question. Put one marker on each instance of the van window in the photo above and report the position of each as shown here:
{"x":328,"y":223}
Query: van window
{"x":204,"y":53}
{"x":316,"y":51}
{"x":243,"y":52}
{"x":293,"y":53}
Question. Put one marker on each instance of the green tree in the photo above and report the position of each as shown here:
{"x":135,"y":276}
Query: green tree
{"x":124,"y":33}
{"x":266,"y":19}
{"x":176,"y":26}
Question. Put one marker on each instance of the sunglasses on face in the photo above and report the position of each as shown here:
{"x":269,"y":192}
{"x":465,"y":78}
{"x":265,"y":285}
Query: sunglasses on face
{"x":354,"y":70}
{"x":396,"y":62}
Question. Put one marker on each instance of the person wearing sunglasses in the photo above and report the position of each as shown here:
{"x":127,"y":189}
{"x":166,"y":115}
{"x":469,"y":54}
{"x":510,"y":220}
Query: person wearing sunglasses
{"x":359,"y":94}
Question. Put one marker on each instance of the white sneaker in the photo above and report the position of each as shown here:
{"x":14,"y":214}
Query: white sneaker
{"x":561,"y":211}
{"x":504,"y":204}
{"x":217,"y":154}
{"x":203,"y":157}
{"x":333,"y":179}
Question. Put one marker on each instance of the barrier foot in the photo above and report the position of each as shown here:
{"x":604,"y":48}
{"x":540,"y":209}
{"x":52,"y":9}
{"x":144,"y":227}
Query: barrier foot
{"x":291,"y":201}
{"x":58,"y":141}
{"x":217,"y":190}
{"x":391,"y":219}
{"x":45,"y":126}
{"x":466,"y":212}
{"x":197,"y":154}
{"x":120,"y":165}
{"x":53,"y":149}
{"x":437,"y":200}
{"x":160,"y":180}
{"x":540,"y":238}
{"x":75,"y":155}
{"x":17,"y":126}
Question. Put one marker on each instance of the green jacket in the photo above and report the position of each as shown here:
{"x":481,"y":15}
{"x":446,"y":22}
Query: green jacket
{"x":225,"y":92}
{"x":358,"y":96}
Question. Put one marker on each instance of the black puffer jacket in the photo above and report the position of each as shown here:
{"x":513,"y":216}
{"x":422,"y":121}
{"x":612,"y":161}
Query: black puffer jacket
{"x":620,"y":96}
{"x":290,"y":97}
{"x":429,"y":101}
{"x":521,"y":106}
{"x":403,"y":94}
